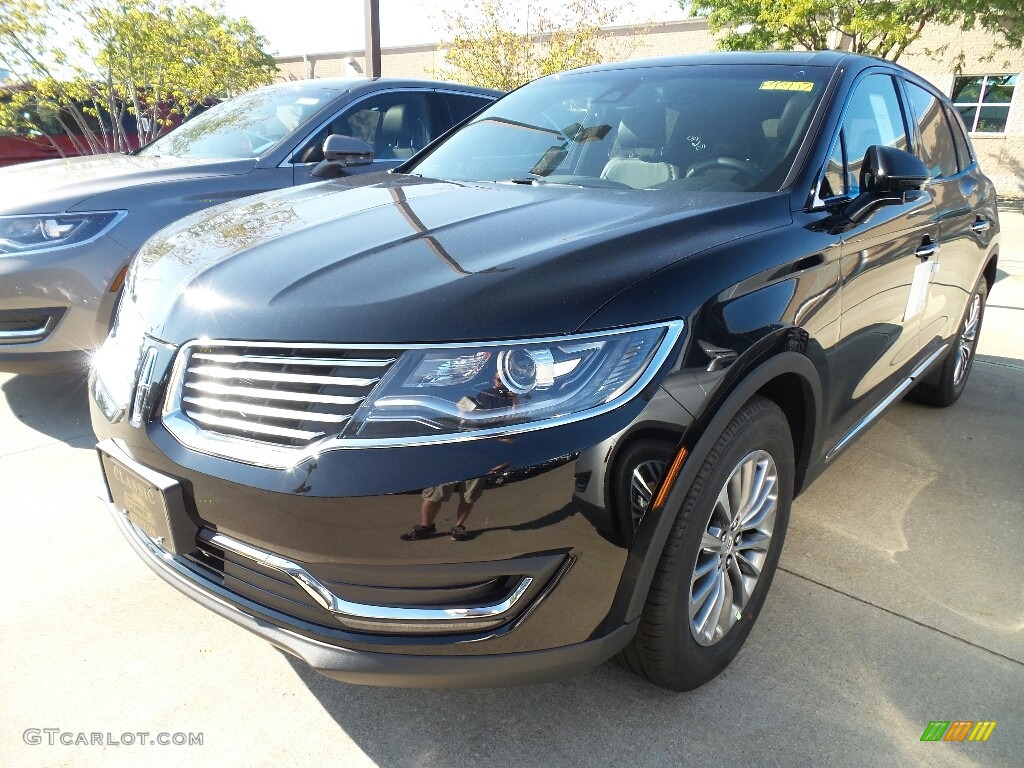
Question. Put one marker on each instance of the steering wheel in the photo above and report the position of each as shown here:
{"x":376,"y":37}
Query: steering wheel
{"x":749,"y":170}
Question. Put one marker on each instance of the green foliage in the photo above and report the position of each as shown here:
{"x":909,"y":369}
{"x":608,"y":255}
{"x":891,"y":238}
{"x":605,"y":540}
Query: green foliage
{"x":485,"y":46}
{"x":883,"y":28}
{"x":145,"y":58}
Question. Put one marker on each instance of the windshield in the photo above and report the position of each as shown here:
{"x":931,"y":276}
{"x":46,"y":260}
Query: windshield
{"x":720,"y":127}
{"x":244,"y":127}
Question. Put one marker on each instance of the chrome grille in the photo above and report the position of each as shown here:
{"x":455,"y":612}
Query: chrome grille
{"x":288,"y":396}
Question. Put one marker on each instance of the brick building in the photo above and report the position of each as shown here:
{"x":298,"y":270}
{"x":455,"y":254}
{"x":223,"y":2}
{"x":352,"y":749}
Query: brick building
{"x":985,"y":83}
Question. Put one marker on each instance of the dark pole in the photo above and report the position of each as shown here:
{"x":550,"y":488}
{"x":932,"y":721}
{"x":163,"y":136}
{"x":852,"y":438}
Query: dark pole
{"x":371,"y":13}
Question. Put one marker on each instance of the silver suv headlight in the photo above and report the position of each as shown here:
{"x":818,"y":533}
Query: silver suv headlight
{"x":48,"y":231}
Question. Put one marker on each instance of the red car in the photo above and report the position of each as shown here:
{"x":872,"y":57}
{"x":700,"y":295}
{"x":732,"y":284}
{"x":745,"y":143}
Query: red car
{"x":49,"y":140}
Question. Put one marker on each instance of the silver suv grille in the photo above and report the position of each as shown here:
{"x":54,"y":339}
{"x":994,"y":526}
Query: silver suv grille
{"x":280,"y":395}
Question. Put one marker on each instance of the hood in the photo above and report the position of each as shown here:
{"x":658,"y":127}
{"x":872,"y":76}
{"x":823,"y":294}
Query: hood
{"x":61,"y":185}
{"x":403,"y":259}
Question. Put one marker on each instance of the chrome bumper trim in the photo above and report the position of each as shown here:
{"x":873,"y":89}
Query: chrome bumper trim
{"x":378,"y":617}
{"x":27,"y":335}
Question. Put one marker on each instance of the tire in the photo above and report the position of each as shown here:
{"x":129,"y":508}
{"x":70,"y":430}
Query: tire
{"x":951,"y":380}
{"x":666,"y":650}
{"x":638,"y":471}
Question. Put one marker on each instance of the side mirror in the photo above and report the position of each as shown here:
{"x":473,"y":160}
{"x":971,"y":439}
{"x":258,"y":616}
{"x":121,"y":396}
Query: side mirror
{"x":887,"y":175}
{"x":341,"y":152}
{"x":887,"y":170}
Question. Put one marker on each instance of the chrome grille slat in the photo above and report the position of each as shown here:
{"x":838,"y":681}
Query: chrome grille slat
{"x":263,"y":410}
{"x":291,"y":360}
{"x":250,"y":426}
{"x":213,"y":387}
{"x":294,"y":378}
{"x":285,"y":396}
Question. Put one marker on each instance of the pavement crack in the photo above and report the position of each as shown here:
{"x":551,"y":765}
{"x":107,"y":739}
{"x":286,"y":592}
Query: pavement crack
{"x":898,"y":615}
{"x":999,"y":364}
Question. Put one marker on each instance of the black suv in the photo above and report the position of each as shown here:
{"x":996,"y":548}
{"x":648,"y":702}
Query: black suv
{"x":544,"y":394}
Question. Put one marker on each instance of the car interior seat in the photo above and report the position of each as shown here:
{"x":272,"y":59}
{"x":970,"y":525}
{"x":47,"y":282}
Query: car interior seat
{"x":403,"y":132}
{"x":640,"y":130}
{"x":792,"y":124}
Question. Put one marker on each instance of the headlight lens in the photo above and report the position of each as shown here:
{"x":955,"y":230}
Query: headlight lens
{"x":502,"y":385}
{"x":43,"y":232}
{"x":116,"y":365}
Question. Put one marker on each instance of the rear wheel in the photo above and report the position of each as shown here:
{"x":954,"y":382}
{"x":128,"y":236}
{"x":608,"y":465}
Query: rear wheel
{"x":721,"y":554}
{"x":952,"y":377}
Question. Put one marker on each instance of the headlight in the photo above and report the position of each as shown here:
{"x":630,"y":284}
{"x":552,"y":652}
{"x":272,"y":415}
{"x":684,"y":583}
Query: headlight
{"x":116,"y":365}
{"x":43,"y":232}
{"x":502,"y":386}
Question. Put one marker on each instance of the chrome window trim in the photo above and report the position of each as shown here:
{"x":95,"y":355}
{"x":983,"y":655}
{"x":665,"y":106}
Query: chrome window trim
{"x":118,"y":218}
{"x":253,"y":452}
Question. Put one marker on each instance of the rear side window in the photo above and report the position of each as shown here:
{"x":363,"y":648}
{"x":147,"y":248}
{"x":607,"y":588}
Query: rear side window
{"x":937,"y":148}
{"x":463,"y":105}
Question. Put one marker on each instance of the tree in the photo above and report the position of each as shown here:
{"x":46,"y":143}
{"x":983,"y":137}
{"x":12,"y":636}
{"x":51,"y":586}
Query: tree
{"x":884,"y":28}
{"x":485,"y":47}
{"x":146,"y":58}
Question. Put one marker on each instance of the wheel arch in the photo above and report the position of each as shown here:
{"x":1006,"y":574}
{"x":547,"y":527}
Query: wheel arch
{"x":788,"y":378}
{"x":991,"y":269}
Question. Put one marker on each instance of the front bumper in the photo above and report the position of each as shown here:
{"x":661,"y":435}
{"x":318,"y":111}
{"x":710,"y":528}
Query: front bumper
{"x":72,"y":286}
{"x":548,"y":569}
{"x":362,"y":666}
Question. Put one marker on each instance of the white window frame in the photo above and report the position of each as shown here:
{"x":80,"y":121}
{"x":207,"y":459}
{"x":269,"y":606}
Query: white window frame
{"x":980,"y":103}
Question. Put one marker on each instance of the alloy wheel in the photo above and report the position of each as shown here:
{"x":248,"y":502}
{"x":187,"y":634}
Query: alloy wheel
{"x":734,"y":547}
{"x":968,"y":338}
{"x":643,"y":483}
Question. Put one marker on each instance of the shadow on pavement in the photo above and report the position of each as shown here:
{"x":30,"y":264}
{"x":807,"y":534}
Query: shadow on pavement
{"x":824,"y":675}
{"x":56,"y":406}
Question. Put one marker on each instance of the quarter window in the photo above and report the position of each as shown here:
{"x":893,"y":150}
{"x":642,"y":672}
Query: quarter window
{"x":963,"y":147}
{"x":984,"y":101}
{"x":937,"y":149}
{"x":463,"y":105}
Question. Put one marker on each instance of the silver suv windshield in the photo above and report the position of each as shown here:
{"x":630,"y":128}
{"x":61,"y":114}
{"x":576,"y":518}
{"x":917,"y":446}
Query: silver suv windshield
{"x":246,"y":126}
{"x":721,"y":127}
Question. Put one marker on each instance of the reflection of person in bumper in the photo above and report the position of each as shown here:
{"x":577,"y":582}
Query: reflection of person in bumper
{"x":469,"y":492}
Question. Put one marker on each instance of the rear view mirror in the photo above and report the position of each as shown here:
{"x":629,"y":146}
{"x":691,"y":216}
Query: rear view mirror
{"x":340,"y":152}
{"x":887,"y":176}
{"x":889,"y":170}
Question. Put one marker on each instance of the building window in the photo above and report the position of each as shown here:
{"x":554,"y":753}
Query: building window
{"x":984,"y":101}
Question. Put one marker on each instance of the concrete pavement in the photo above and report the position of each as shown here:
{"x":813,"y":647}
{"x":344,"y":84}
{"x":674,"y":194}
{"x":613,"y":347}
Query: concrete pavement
{"x":900,"y":601}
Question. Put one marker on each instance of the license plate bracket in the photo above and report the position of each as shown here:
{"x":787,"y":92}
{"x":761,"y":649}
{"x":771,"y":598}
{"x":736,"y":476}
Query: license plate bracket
{"x":152,"y":501}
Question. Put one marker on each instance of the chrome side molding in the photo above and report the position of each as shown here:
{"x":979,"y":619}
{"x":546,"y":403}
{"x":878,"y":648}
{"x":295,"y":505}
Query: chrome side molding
{"x":891,"y":398}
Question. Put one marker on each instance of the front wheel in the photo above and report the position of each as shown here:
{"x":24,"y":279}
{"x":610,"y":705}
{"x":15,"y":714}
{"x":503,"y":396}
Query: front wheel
{"x":721,"y":554}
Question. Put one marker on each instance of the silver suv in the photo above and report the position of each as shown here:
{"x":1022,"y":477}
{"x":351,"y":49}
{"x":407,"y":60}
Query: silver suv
{"x":68,"y":228}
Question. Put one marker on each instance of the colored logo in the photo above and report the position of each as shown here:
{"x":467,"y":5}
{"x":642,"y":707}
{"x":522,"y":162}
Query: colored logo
{"x":958,"y":730}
